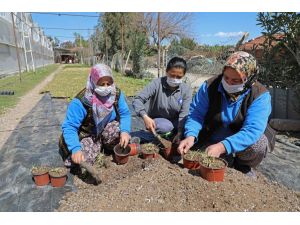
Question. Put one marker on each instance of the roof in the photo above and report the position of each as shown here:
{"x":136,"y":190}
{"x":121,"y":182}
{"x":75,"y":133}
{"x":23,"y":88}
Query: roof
{"x":257,"y":42}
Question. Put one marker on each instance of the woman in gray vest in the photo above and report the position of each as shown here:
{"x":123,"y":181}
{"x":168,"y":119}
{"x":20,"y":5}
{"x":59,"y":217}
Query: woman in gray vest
{"x":229,"y":115}
{"x":169,"y":99}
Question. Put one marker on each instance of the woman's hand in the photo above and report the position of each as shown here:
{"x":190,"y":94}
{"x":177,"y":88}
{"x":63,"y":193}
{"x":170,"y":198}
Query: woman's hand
{"x":124,"y":139}
{"x":77,"y":157}
{"x":149,"y":123}
{"x":185,"y":145}
{"x":216,"y":150}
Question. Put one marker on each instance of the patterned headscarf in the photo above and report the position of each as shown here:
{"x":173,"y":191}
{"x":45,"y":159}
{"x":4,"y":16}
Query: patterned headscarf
{"x":102,"y":106}
{"x":242,"y":62}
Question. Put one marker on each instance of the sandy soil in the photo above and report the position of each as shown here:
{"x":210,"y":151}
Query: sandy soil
{"x":157,"y":185}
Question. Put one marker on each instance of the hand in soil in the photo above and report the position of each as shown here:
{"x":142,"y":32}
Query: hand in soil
{"x":149,"y":123}
{"x":185,"y":145}
{"x":124,"y":139}
{"x":77,"y":157}
{"x":216,"y":150}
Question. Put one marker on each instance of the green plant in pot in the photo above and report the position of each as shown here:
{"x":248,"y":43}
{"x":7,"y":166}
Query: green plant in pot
{"x":149,"y":150}
{"x":58,"y":176}
{"x":211,"y":168}
{"x":191,"y":159}
{"x":40,"y":175}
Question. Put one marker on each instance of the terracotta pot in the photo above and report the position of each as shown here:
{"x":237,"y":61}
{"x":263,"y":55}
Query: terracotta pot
{"x":42,"y":179}
{"x":134,"y":149}
{"x":215,"y":175}
{"x":190,"y":164}
{"x":149,"y":155}
{"x":120,"y":156}
{"x":58,"y":181}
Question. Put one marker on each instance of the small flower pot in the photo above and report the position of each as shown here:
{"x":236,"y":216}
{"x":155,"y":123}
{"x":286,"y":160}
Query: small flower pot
{"x":190,"y":161}
{"x":121,"y":155}
{"x":149,"y":151}
{"x":40,"y":175}
{"x":211,"y":173}
{"x":134,"y":149}
{"x":58,"y":176}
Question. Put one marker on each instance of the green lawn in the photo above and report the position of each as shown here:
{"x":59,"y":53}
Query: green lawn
{"x":73,"y":78}
{"x":29,"y":81}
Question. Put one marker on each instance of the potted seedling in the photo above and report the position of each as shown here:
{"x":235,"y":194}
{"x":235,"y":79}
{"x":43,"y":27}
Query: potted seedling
{"x":40,"y":175}
{"x":149,"y":151}
{"x":191,"y":159}
{"x":121,"y":154}
{"x":58,"y":176}
{"x":211,"y":168}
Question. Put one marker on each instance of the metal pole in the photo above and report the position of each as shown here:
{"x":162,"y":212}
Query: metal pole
{"x":158,"y":44}
{"x":16,"y":43}
{"x":106,"y":49}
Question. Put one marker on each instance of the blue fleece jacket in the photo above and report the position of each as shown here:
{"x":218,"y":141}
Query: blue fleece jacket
{"x":254,"y":125}
{"x":76,"y":114}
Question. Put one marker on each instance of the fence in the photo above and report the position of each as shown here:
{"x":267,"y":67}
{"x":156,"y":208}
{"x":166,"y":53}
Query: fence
{"x":35,"y":49}
{"x":285,"y":104}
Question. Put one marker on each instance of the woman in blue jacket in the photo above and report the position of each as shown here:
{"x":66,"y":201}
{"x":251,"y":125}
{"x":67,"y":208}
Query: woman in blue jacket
{"x":229,"y":115}
{"x":98,"y":116}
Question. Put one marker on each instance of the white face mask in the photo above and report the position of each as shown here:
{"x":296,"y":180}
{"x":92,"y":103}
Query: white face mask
{"x":230,"y":89}
{"x":173,"y":82}
{"x":103,"y":91}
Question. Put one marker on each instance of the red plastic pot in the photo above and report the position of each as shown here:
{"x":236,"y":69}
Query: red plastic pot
{"x":190,"y":164}
{"x":121,"y":157}
{"x":149,"y":155}
{"x":42,"y":179}
{"x":214,"y":175}
{"x":134,"y":149}
{"x":58,"y":181}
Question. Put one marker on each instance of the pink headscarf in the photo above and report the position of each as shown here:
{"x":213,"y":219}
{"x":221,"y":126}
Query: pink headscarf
{"x":102,"y":106}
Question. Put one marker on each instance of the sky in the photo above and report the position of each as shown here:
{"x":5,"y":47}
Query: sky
{"x":206,"y":28}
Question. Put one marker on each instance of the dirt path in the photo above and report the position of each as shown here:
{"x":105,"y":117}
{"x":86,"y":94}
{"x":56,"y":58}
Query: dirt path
{"x":13,"y":116}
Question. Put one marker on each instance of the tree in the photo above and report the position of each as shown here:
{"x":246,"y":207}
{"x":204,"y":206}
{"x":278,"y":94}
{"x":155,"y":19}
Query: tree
{"x":287,"y":24}
{"x":188,"y":43}
{"x":281,"y":51}
{"x":171,"y":25}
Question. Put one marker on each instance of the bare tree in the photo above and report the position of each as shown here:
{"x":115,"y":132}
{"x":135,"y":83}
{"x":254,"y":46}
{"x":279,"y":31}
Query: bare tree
{"x":171,"y":25}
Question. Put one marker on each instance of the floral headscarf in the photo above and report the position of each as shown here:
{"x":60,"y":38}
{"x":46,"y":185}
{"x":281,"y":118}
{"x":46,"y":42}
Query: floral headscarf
{"x":242,"y":62}
{"x":102,"y":106}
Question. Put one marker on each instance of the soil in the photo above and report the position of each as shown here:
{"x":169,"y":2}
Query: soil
{"x":58,"y":172}
{"x":157,"y":185}
{"x":122,"y":151}
{"x":149,"y":148}
{"x":39,"y":170}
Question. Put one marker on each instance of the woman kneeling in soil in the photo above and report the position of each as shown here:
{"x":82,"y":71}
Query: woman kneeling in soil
{"x":229,"y":114}
{"x":97,"y":117}
{"x":169,"y":99}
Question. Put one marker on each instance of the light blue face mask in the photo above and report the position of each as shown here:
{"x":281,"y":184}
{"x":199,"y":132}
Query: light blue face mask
{"x":103,"y":91}
{"x":173,"y":82}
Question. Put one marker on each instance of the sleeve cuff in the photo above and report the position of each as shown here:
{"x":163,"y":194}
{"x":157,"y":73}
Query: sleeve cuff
{"x":227,"y":145}
{"x":142,"y":113}
{"x":76,"y":150}
{"x":188,"y":134}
